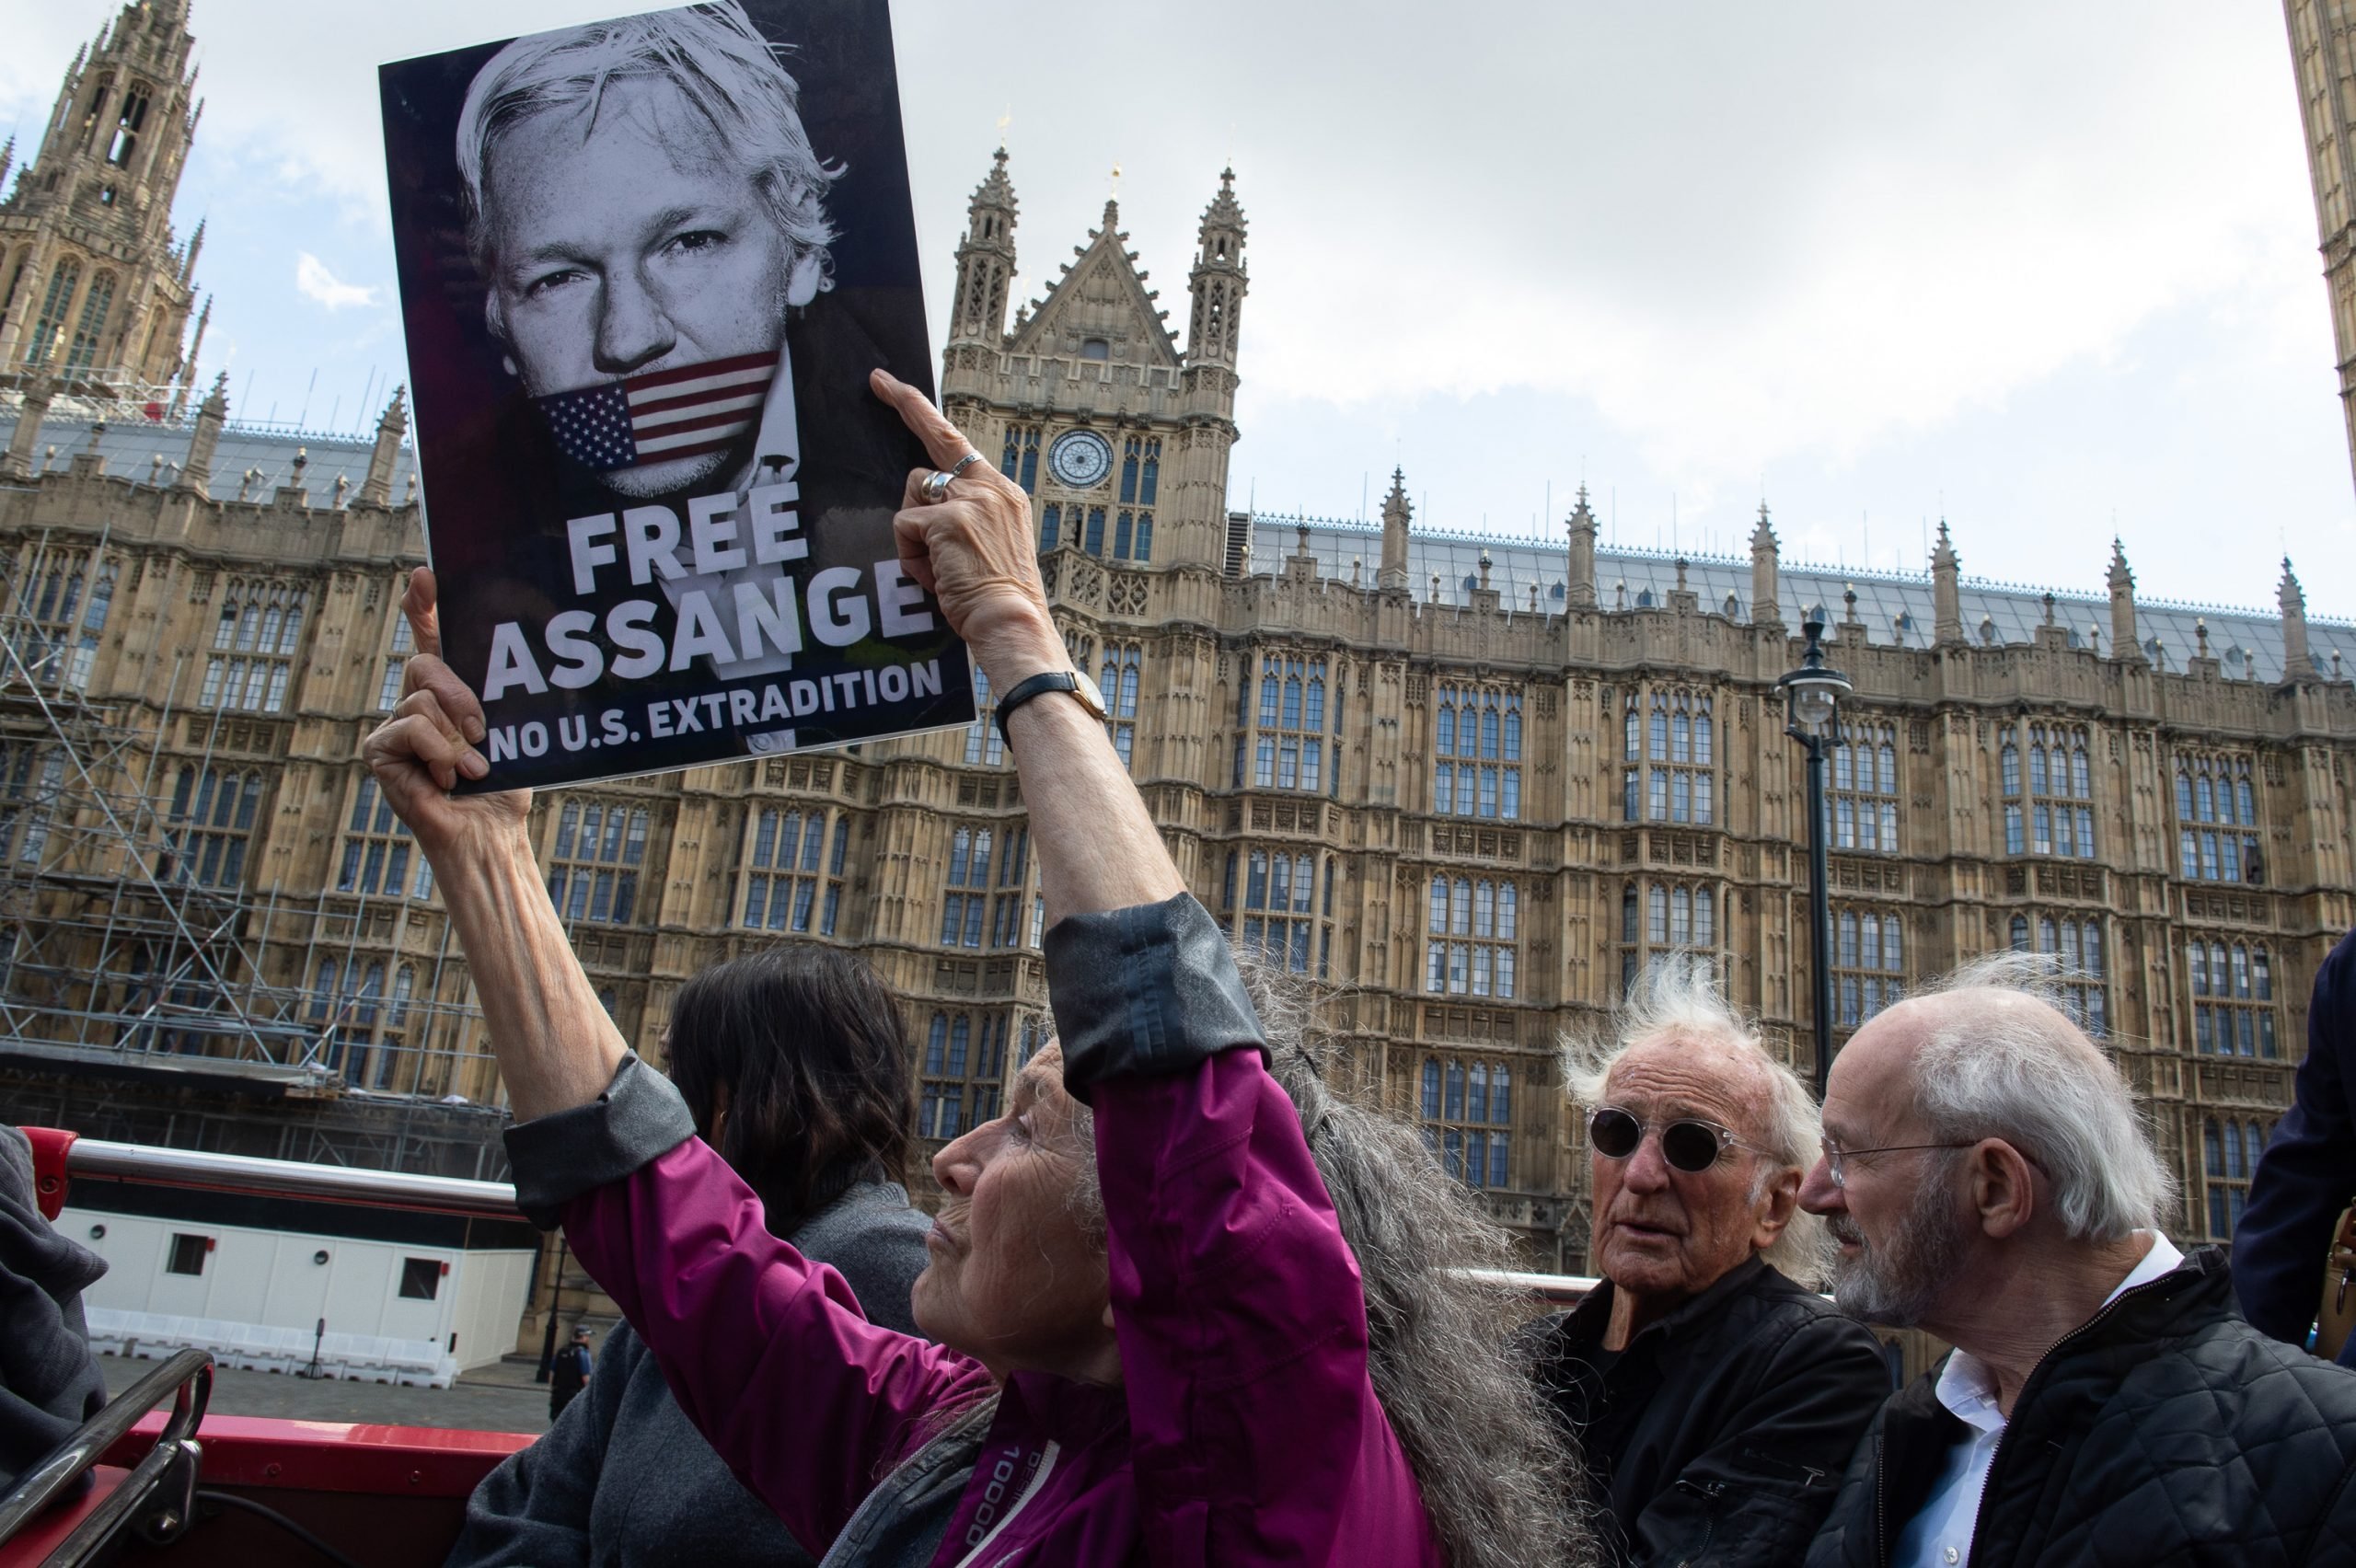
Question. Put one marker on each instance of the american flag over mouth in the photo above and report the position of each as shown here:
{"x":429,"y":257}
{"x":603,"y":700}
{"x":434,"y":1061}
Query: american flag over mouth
{"x":684,"y":411}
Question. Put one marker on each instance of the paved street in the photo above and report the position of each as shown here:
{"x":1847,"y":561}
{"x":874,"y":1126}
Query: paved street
{"x":498,"y":1398}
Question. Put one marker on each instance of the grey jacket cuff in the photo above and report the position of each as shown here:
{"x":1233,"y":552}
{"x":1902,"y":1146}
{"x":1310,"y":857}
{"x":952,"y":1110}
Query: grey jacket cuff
{"x":1151,"y":990}
{"x":638,"y":1119}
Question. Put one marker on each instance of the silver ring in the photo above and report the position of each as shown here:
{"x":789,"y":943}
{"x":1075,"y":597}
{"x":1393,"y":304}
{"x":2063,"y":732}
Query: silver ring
{"x":935,"y":488}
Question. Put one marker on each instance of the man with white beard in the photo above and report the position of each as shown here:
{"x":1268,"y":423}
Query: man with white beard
{"x":1988,"y":1180}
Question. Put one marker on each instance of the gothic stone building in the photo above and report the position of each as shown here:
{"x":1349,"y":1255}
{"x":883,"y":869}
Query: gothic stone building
{"x":93,"y":288}
{"x":1472,"y":784}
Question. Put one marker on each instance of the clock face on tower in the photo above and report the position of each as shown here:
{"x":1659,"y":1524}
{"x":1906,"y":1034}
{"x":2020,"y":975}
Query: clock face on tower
{"x":1081,"y":458}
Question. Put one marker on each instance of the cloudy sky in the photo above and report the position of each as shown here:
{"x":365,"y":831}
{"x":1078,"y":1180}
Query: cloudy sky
{"x":2048,"y":271}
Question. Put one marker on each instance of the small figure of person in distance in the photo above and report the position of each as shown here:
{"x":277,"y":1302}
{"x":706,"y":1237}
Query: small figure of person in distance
{"x":796,"y":1065}
{"x":568,"y":1374}
{"x":1716,"y":1397}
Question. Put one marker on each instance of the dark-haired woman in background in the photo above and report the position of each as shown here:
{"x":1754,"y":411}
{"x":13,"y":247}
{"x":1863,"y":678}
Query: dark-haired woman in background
{"x":796,"y":1067}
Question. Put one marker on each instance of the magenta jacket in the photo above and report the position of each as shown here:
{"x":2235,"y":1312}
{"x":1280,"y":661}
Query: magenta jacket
{"x":1246,"y":1431}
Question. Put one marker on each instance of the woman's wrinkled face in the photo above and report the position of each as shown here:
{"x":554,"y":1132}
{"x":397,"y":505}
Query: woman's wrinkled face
{"x":1017,"y":1276}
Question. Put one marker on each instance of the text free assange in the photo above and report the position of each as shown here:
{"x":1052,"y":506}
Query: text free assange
{"x":762,"y":615}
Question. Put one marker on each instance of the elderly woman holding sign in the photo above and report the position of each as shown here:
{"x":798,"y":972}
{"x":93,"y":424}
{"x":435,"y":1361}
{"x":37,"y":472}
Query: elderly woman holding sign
{"x":1190,"y":1309}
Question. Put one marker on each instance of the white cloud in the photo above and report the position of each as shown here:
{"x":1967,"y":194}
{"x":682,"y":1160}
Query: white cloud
{"x":312,"y":277}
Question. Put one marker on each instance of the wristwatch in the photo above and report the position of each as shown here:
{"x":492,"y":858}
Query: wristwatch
{"x":1076,"y":682}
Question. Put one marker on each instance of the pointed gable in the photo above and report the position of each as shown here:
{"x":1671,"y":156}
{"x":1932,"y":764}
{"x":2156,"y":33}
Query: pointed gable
{"x":1101,"y":299}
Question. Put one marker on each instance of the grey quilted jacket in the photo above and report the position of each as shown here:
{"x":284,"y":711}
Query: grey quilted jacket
{"x":2163,"y":1431}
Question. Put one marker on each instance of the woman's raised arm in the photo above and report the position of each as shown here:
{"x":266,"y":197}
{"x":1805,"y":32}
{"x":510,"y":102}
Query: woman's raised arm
{"x":1097,"y":847}
{"x":557,"y":1047}
{"x":1255,"y":1433}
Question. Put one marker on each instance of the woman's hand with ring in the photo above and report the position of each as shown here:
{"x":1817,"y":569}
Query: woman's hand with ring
{"x":419,"y":753}
{"x":973,"y":550}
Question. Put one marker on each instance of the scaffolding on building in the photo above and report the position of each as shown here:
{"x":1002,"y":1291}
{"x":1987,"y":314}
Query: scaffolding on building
{"x":133,"y":943}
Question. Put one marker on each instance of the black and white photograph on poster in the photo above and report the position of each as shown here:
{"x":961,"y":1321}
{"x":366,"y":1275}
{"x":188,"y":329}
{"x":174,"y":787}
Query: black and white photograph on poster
{"x":645,"y":267}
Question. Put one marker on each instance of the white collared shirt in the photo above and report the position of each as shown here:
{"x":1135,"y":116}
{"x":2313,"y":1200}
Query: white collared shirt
{"x":1940,"y":1534}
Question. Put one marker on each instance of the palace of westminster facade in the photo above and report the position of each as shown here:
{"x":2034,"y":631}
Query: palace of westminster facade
{"x":1472,"y":785}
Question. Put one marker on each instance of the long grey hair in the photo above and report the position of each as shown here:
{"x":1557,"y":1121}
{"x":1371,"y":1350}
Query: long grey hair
{"x":1498,"y":1477}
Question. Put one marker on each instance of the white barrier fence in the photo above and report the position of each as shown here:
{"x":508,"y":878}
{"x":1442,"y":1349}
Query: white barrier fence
{"x":364,"y":1358}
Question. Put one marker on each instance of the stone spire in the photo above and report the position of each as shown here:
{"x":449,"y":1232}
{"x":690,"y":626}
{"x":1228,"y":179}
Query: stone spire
{"x":188,"y":258}
{"x":2297,"y":663}
{"x":1579,"y":592}
{"x":107,"y":287}
{"x":8,"y":158}
{"x":2124,"y":642}
{"x":985,"y":259}
{"x":1766,"y":566}
{"x":1396,"y":511}
{"x":18,"y":462}
{"x":1217,"y":281}
{"x":196,"y":473}
{"x":377,"y":488}
{"x":1947,"y":590}
{"x":187,"y":377}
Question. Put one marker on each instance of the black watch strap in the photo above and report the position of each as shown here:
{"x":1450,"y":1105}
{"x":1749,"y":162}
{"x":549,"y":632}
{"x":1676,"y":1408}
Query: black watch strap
{"x":1053,"y":680}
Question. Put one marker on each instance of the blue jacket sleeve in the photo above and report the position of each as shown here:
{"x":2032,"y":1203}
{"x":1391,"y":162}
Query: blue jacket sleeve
{"x":2308,"y":1172}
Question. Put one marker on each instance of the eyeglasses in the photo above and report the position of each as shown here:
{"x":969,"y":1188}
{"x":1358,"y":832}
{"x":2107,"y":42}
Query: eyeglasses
{"x":1689,"y":1143}
{"x":1834,"y":1153}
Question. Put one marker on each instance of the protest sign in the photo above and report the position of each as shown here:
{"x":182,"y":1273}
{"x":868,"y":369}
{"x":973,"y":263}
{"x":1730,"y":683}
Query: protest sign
{"x":645,"y":267}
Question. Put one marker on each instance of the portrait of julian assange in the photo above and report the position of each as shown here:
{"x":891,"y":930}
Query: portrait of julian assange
{"x":646,"y":266}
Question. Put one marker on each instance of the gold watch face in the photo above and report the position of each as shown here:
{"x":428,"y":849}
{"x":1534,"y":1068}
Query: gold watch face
{"x":1085,"y":690}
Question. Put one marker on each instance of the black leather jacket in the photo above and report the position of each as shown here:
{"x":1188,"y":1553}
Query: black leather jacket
{"x":2163,"y":1431}
{"x":1718,"y":1436}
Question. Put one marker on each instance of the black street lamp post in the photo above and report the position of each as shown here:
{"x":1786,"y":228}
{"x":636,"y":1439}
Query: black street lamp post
{"x":1812,"y":700}
{"x":556,"y":1296}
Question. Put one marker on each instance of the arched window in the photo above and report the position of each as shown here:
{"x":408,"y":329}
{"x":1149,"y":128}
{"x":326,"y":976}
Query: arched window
{"x":1021,"y":462}
{"x":1289,"y":747}
{"x":1677,"y":918}
{"x":983,"y":746}
{"x":2080,"y":946}
{"x":963,"y":1066}
{"x":1861,"y":809}
{"x":1469,"y":1123}
{"x":1472,"y":934}
{"x":2229,"y":1159}
{"x":1678,"y":779}
{"x":97,"y":303}
{"x":49,"y":325}
{"x":793,"y":874}
{"x":594,"y":873}
{"x":254,"y":640}
{"x":2231,"y":987}
{"x":377,"y":849}
{"x":2054,"y":816}
{"x":1476,"y":744}
{"x":1118,"y":678}
{"x":211,"y":825}
{"x":2217,"y":826}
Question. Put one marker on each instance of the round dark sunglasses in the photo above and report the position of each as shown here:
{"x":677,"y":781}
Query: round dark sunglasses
{"x":1689,"y":1143}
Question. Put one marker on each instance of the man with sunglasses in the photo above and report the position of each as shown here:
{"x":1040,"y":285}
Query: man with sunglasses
{"x":1716,"y":1399}
{"x":1989,"y":1180}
